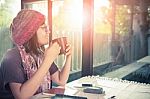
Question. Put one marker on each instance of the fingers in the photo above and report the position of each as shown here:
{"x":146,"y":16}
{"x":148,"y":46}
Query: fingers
{"x":54,"y":49}
{"x":68,"y":50}
{"x":57,"y":46}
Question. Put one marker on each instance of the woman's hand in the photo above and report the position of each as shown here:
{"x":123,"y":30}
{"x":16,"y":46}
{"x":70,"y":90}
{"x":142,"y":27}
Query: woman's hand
{"x":61,"y":77}
{"x":52,"y":51}
{"x":68,"y":50}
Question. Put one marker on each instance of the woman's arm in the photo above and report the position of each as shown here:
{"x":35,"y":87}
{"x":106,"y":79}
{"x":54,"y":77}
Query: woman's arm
{"x":61,"y":77}
{"x":27,"y":89}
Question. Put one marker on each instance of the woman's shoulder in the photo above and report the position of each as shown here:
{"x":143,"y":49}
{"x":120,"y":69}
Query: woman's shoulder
{"x":12,"y":55}
{"x":13,"y":50}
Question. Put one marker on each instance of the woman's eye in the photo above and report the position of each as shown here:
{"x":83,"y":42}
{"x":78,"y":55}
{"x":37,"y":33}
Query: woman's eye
{"x":43,"y":27}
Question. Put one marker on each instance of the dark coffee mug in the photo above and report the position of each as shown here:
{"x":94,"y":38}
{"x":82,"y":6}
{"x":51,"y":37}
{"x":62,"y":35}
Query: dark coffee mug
{"x":62,"y":41}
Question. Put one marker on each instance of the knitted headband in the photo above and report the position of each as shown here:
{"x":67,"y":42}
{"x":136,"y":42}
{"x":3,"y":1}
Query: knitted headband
{"x":25,"y":25}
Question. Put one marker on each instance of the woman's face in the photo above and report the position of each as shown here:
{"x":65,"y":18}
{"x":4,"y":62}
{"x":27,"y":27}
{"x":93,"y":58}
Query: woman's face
{"x":43,"y":35}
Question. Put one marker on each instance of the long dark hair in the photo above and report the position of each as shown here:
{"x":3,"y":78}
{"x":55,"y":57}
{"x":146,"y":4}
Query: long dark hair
{"x":33,"y":47}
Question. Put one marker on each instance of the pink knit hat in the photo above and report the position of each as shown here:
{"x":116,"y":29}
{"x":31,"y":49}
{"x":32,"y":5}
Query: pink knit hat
{"x":25,"y":25}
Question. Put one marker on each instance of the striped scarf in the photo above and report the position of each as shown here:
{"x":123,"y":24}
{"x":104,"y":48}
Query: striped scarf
{"x":30,"y":64}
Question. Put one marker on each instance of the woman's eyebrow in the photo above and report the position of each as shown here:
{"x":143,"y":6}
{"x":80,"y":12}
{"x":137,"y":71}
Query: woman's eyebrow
{"x":43,"y":25}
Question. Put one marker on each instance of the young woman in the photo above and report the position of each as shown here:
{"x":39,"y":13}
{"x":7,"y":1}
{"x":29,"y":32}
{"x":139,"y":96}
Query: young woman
{"x":28,"y":68}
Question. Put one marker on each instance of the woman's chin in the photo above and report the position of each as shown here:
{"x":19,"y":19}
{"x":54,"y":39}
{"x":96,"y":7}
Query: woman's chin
{"x":44,"y":43}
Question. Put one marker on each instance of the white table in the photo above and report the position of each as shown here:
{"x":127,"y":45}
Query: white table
{"x":145,"y":59}
{"x":122,"y":89}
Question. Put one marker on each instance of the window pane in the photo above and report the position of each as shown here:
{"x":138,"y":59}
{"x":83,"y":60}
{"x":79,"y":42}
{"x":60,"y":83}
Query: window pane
{"x":8,"y":11}
{"x":67,"y":21}
{"x":102,"y":33}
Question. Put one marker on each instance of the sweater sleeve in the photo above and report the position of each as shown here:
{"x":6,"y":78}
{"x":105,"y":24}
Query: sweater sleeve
{"x":53,"y":68}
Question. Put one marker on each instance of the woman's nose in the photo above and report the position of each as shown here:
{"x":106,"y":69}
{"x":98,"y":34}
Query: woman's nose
{"x":47,"y":30}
